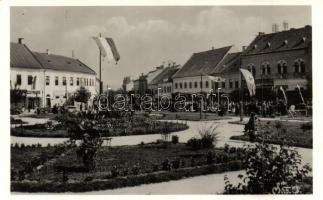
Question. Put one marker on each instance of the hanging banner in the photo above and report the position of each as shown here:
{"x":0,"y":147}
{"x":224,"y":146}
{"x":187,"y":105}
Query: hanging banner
{"x":250,"y":81}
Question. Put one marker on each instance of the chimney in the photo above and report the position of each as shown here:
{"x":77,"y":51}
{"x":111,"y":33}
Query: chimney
{"x":212,"y":47}
{"x":244,"y":48}
{"x":275,"y":28}
{"x":20,"y":40}
{"x":285,"y":25}
{"x":261,"y":33}
{"x":73,"y":56}
{"x":47,"y":51}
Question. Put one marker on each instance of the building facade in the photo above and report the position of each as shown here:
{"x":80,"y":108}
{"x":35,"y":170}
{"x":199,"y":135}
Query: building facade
{"x":194,"y":76}
{"x":280,"y":59}
{"x":47,"y":79}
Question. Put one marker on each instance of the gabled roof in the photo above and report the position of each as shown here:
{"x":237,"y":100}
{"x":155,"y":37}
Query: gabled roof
{"x":165,"y":75}
{"x":62,"y":63}
{"x":22,"y":57}
{"x":230,"y":63}
{"x":279,"y":41}
{"x":202,"y":62}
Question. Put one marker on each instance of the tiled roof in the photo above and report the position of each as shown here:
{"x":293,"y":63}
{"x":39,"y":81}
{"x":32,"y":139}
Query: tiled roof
{"x":22,"y":57}
{"x":166,"y":74}
{"x":62,"y":63}
{"x":230,"y":63}
{"x":202,"y":62}
{"x":284,"y":40}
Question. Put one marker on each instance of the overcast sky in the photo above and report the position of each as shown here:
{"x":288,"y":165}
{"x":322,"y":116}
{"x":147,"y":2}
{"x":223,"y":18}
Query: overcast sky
{"x":146,"y":36}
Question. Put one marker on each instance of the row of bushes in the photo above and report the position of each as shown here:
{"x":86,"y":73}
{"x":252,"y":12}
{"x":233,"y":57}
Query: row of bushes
{"x":119,"y":182}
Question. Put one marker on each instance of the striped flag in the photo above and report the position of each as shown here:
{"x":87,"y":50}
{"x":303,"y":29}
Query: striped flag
{"x":34,"y":82}
{"x":281,"y":88}
{"x":250,"y":81}
{"x":108,"y":48}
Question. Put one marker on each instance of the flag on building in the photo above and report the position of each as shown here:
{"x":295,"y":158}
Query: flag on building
{"x":250,"y":81}
{"x":300,"y":93}
{"x":283,"y":91}
{"x":108,"y":48}
{"x":34,"y":82}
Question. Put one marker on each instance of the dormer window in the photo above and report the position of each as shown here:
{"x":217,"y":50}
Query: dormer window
{"x":255,"y":46}
{"x":268,"y":44}
{"x":285,"y":42}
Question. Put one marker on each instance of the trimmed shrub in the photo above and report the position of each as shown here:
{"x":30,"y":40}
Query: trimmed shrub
{"x":175,"y":139}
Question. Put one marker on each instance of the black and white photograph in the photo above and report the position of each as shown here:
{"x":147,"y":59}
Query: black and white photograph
{"x":161,"y":100}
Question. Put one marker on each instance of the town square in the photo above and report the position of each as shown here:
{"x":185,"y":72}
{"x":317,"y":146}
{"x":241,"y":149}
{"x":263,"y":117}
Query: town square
{"x":161,"y":100}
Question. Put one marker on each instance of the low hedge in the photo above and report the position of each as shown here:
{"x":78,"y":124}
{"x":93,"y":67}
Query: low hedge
{"x":119,"y":182}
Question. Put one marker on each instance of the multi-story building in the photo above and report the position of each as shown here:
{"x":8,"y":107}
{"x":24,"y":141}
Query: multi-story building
{"x":151,"y":76}
{"x":164,"y":82}
{"x":140,"y":85}
{"x":228,"y":70}
{"x":194,"y":76}
{"x":48,"y":79}
{"x":280,"y":59}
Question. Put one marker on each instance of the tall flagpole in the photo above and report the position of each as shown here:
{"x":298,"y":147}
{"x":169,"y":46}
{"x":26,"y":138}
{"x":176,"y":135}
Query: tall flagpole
{"x":201,"y":97}
{"x":100,"y":68}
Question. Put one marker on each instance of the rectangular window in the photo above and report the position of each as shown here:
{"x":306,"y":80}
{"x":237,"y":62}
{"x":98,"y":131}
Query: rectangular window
{"x":18,"y":79}
{"x":56,"y":80}
{"x":223,"y":85}
{"x":190,"y":84}
{"x":77,"y":81}
{"x":236,"y":84}
{"x":195,"y":84}
{"x":30,"y":79}
{"x":231,"y":84}
{"x":47,"y":80}
{"x":216,"y":85}
{"x":176,"y":85}
{"x":64,"y":80}
{"x":71,"y":81}
{"x":284,"y":69}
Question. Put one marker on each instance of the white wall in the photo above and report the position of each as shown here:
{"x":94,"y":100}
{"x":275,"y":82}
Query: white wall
{"x":24,"y":78}
{"x":193,"y":89}
{"x":57,"y":92}
{"x":52,"y":90}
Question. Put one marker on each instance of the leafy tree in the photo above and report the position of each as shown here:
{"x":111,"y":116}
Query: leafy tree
{"x":270,"y":170}
{"x":82,"y":95}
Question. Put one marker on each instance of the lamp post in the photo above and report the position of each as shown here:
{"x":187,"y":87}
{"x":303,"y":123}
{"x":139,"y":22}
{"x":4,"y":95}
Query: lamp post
{"x":219,"y":98}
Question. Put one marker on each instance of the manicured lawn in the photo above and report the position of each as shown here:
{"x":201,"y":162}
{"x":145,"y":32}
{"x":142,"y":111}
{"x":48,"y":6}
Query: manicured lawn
{"x":292,"y":133}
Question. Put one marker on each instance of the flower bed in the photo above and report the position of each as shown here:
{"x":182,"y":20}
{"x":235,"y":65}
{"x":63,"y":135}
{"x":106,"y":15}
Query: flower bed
{"x":125,"y":166}
{"x":126,"y":181}
{"x":290,"y":133}
{"x":106,"y":127}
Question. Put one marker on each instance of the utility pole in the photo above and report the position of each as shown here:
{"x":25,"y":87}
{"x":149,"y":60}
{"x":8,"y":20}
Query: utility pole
{"x":100,"y":68}
{"x":201,"y":85}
